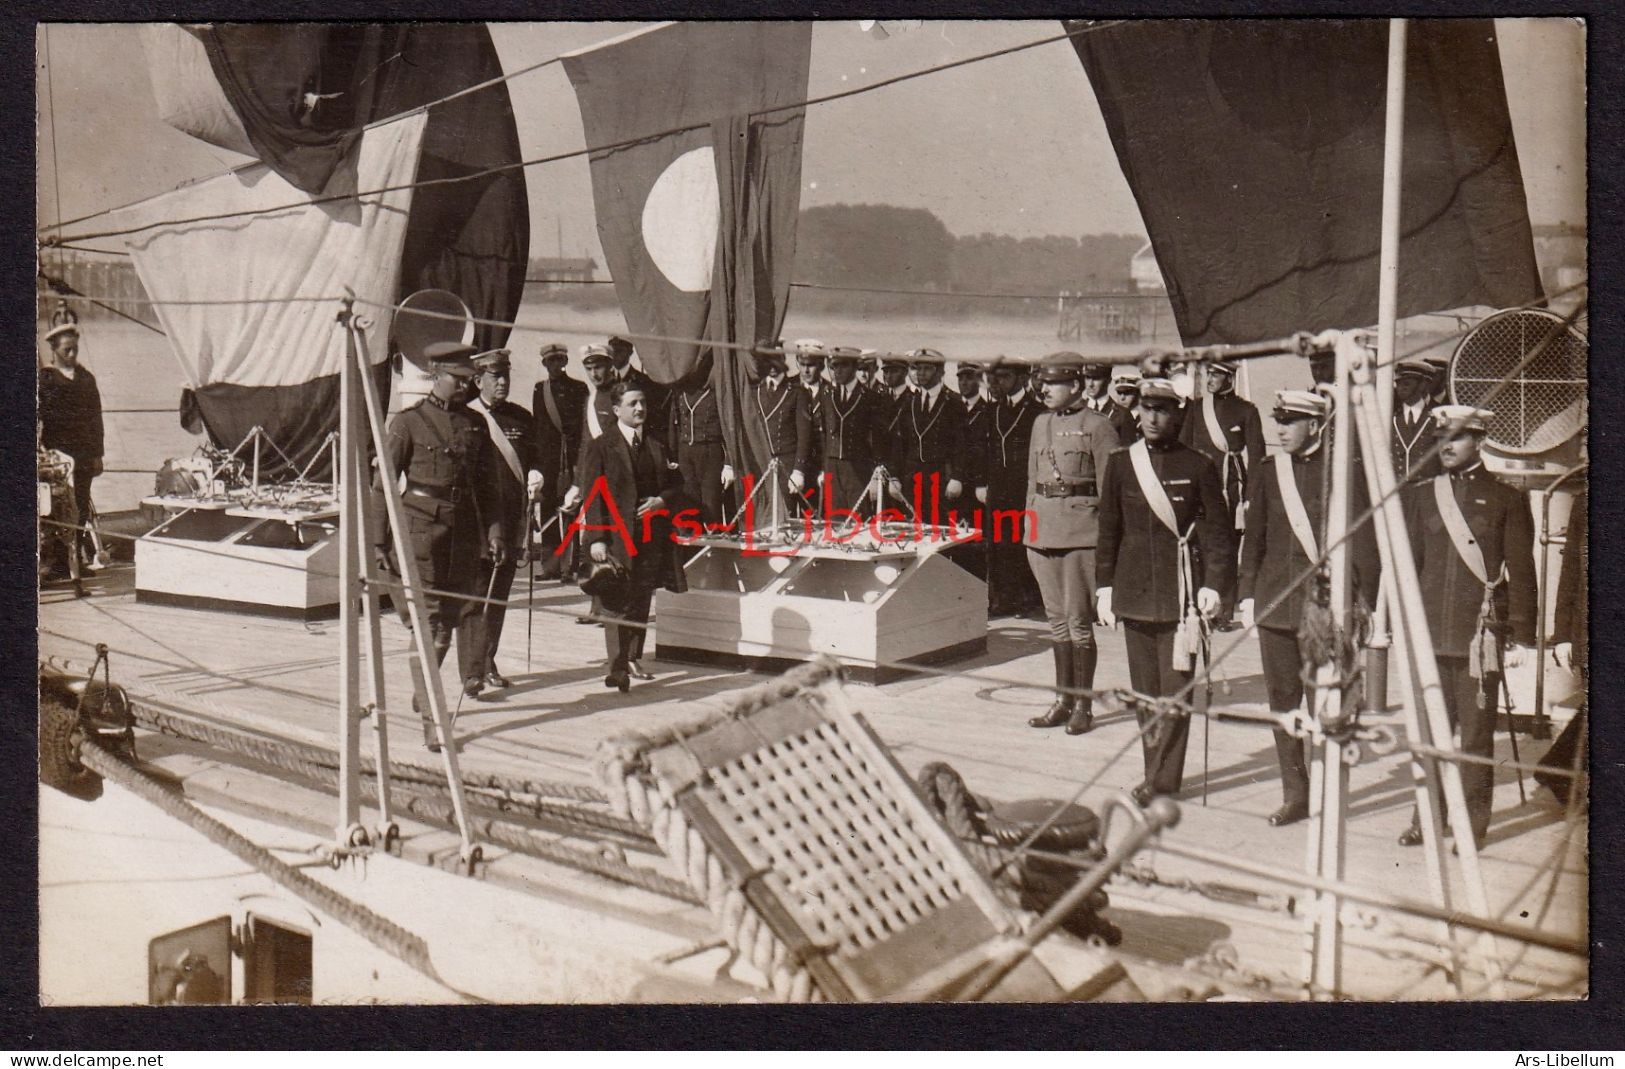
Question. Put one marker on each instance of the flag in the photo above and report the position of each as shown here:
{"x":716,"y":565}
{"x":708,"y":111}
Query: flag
{"x":275,"y":363}
{"x":696,"y":184}
{"x":1255,"y":151}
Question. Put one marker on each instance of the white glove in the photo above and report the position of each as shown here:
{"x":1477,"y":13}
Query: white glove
{"x":981,"y":495}
{"x":1103,"y":606}
{"x":1246,"y":610}
{"x":572,"y":498}
{"x":954,"y":488}
{"x":1207,"y":601}
{"x":533,"y":484}
{"x":599,"y":552}
{"x":1563,"y":655}
{"x":797,"y":481}
{"x":894,"y":487}
{"x":1515,"y":655}
{"x":727,"y":476}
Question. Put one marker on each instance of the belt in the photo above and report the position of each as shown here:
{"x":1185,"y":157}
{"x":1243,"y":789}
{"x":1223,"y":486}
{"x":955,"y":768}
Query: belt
{"x":1067,"y":488}
{"x":446,"y":495}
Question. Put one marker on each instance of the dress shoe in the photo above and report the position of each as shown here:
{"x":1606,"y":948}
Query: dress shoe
{"x":1081,"y":721}
{"x":618,"y":681}
{"x":497,"y":681}
{"x":1058,"y":714}
{"x":473,"y":686}
{"x":1290,"y":813}
{"x":1142,"y":795}
{"x":637,"y":671}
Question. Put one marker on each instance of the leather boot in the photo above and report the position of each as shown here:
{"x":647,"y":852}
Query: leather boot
{"x":1061,"y":711}
{"x":1083,"y":677}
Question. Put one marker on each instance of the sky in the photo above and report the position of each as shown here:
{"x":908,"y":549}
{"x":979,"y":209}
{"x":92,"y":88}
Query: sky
{"x":1013,"y":145}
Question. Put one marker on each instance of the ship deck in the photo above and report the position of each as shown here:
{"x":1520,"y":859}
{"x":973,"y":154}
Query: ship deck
{"x":282,"y":677}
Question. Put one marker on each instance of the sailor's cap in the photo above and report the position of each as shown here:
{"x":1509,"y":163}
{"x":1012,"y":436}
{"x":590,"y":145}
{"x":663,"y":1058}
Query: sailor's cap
{"x":893,"y":360}
{"x":1064,"y":366}
{"x":450,"y":356}
{"x":63,"y":330}
{"x":968,"y":367}
{"x":847,"y":355}
{"x":1301,"y":404}
{"x":594,"y":354}
{"x":1127,"y":384}
{"x":1456,"y":418}
{"x":1159,"y":390}
{"x":868,"y":358}
{"x":616,"y":342}
{"x":493,"y":360}
{"x":1097,"y":371}
{"x":806,"y":347}
{"x":1228,"y":367}
{"x":926,"y":356}
{"x":1418,"y":368}
{"x":554,"y":349}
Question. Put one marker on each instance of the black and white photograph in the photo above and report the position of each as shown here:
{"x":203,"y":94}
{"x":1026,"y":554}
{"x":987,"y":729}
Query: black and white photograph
{"x":824,"y":511}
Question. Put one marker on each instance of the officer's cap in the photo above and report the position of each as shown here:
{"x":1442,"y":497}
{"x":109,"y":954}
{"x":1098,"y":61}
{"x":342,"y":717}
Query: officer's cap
{"x":554,"y":351}
{"x":64,"y":330}
{"x":1456,"y":418}
{"x":594,"y":354}
{"x":1097,"y":371}
{"x":1159,"y":390}
{"x":1437,"y":363}
{"x":845,"y":354}
{"x":927,"y":356}
{"x":1127,"y":385}
{"x":1420,"y":369}
{"x":450,"y":356}
{"x":968,"y":367}
{"x":618,"y":344}
{"x":1061,"y":367}
{"x":893,"y":360}
{"x":1227,"y":367}
{"x":809,"y":347}
{"x":1301,"y":404}
{"x":492,"y":360}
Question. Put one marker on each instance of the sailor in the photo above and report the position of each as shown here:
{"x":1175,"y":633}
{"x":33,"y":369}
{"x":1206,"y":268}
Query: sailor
{"x":810,"y":358}
{"x":694,"y":437}
{"x":930,"y":466}
{"x":631,"y":511}
{"x":451,"y":505}
{"x":868,"y":368}
{"x":1473,"y":540}
{"x":847,"y":422}
{"x":70,"y":407}
{"x":1413,"y":427}
{"x":519,"y":483}
{"x":1125,"y":393}
{"x":1066,"y":458}
{"x":1439,"y":387}
{"x":1286,"y":513}
{"x":1011,"y":588}
{"x":1227,"y":430}
{"x":780,"y":414}
{"x":559,"y":403}
{"x":1165,"y":552}
{"x":968,"y":381}
{"x":968,"y":376}
{"x":621,"y":352}
{"x":1097,"y":394}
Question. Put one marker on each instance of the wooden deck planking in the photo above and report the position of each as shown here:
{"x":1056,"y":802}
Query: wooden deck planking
{"x":282,"y":676}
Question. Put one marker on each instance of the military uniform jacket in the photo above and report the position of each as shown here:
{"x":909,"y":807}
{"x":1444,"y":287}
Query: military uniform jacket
{"x":1243,"y":432}
{"x":977,"y":423}
{"x":1411,"y":442}
{"x":445,"y":451}
{"x":512,"y":495}
{"x":930,"y":439}
{"x":1127,"y":424}
{"x":785,"y":418}
{"x":1271,"y":555}
{"x":71,"y":410}
{"x":597,"y":402}
{"x":693,"y":417}
{"x":850,"y":429}
{"x":610,"y":457}
{"x":558,"y":444}
{"x":1009,"y":437}
{"x":1499,"y":519}
{"x":1070,"y":448}
{"x":1137,"y":556}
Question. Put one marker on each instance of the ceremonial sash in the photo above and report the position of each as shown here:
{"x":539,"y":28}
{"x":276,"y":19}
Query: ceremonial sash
{"x":1461,"y":536}
{"x":1188,"y":635}
{"x":1232,"y":466}
{"x":592,"y":413}
{"x":1210,"y":416}
{"x":1297,"y":517}
{"x":500,"y":437}
{"x":1151,"y":487}
{"x":551,"y":406}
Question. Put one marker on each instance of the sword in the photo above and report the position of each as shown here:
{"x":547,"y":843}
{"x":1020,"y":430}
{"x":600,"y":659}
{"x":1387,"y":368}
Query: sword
{"x":530,"y":603}
{"x":1512,"y":729}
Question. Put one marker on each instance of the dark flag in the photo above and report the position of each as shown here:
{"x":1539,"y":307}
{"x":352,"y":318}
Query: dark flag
{"x":1255,"y":150}
{"x":698,"y":226}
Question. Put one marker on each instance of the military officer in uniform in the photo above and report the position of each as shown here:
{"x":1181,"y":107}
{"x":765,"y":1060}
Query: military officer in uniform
{"x":1097,"y":381}
{"x":1125,"y":394}
{"x":451,"y":505}
{"x":598,"y":416}
{"x":519,"y":488}
{"x":559,"y":403}
{"x":1165,"y":551}
{"x":1413,"y":427}
{"x":1011,"y":588}
{"x":70,"y":408}
{"x":810,"y":359}
{"x":1473,"y":540}
{"x":1286,"y":512}
{"x":930,"y":468}
{"x":621,"y":352}
{"x":694,"y":437}
{"x":968,"y":376}
{"x":782,"y":417}
{"x":847,"y":425}
{"x":868,"y":368}
{"x":1066,"y":457}
{"x":1228,"y":430}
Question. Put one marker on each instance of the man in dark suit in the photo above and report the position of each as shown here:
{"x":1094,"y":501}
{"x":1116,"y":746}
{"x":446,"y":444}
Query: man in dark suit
{"x":559,"y":404}
{"x":1473,"y":540}
{"x":1286,"y":511}
{"x":632,"y":487}
{"x":1011,"y":588}
{"x":847,"y":425}
{"x":1165,"y":551}
{"x":930,"y":468}
{"x":1412,"y":439}
{"x":694,"y":437}
{"x":782,"y":416}
{"x":519,"y":483}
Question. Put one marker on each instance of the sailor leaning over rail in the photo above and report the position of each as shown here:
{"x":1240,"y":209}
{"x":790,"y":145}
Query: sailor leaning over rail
{"x":451,"y":507}
{"x":1286,"y":510}
{"x":1067,"y":456}
{"x":1165,"y":552}
{"x":1473,"y":538}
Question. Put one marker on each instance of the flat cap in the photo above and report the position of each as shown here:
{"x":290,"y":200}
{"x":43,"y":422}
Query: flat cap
{"x":451,"y":356}
{"x":1462,"y":418}
{"x":1063,"y":366}
{"x":1290,"y":404}
{"x":1159,"y":390}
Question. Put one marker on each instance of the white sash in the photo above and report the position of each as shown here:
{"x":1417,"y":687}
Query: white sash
{"x":500,"y":437}
{"x":596,"y":428}
{"x":551,"y":405}
{"x":1296,"y":515}
{"x":1456,"y":524}
{"x":1210,"y":416}
{"x":1151,"y":487}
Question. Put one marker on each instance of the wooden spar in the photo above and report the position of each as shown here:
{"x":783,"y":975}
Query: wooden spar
{"x":1393,"y":152}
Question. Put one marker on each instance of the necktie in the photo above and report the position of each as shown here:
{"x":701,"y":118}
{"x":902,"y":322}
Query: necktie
{"x":637,"y":440}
